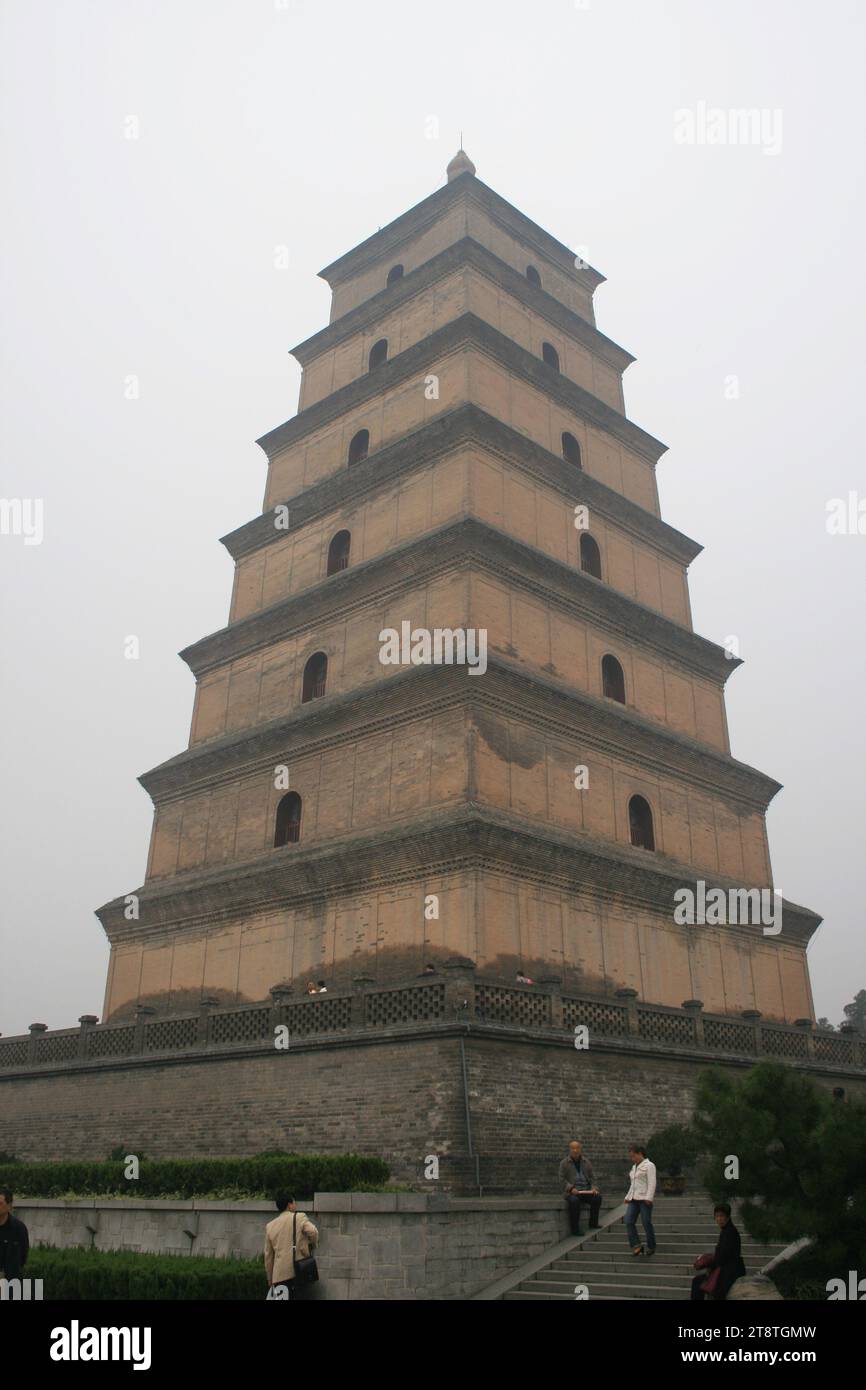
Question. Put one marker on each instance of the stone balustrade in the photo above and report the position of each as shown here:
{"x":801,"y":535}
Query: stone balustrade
{"x":452,"y":995}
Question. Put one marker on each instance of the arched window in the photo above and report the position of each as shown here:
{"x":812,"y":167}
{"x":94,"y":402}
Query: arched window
{"x":550,"y":355}
{"x":378,"y":354}
{"x":612,"y":679}
{"x":287,"y":830}
{"x":395,"y":273}
{"x":359,"y":446}
{"x":640,"y":823}
{"x":590,"y":556}
{"x":571,"y":449}
{"x":338,"y":552}
{"x":533,"y":276}
{"x":315,"y":678}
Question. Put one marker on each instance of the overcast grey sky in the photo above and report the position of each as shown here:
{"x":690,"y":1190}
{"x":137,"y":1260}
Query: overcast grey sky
{"x":307,"y":124}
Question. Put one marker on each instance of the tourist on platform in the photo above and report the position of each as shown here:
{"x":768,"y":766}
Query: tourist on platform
{"x":14,"y":1240}
{"x":323,"y":988}
{"x":291,"y":1226}
{"x":522,"y":979}
{"x":719,"y":1270}
{"x":640,"y":1198}
{"x":578,"y":1187}
{"x":311,"y":988}
{"x":429,"y":969}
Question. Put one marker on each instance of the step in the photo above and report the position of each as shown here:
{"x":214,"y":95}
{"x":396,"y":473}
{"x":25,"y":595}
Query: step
{"x":609,"y":1289}
{"x":672,"y":1237}
{"x":619,"y":1266}
{"x":683,"y":1223}
{"x":522,"y":1294}
{"x":674,"y":1244}
{"x":612,"y":1276}
{"x":583,"y":1268}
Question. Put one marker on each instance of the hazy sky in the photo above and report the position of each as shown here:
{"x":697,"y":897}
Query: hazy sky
{"x":308,"y":125}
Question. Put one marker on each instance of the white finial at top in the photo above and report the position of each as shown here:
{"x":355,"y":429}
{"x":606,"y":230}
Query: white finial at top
{"x":460,"y":164}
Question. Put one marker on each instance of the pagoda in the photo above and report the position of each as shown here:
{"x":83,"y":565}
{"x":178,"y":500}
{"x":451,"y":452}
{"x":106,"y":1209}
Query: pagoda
{"x":461,"y":472}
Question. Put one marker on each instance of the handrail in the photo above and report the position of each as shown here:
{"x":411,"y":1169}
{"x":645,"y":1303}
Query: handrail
{"x":454,"y":993}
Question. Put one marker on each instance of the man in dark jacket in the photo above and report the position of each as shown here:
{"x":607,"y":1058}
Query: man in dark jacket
{"x":14,"y":1240}
{"x":578,"y":1187}
{"x":726,"y":1257}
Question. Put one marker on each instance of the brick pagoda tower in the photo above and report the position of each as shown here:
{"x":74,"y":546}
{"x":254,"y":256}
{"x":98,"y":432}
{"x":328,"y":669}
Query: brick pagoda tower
{"x":461,"y":460}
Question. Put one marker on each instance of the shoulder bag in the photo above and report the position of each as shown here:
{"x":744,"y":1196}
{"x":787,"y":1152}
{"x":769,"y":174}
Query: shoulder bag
{"x":306,"y":1270}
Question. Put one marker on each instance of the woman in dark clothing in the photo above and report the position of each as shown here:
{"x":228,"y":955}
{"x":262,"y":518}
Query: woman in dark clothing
{"x":726,"y":1257}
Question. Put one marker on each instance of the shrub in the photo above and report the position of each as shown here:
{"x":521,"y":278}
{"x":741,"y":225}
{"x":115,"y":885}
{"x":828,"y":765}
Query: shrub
{"x":124,"y":1274}
{"x":178,"y":1178}
{"x":119,"y":1152}
{"x":673,"y":1149}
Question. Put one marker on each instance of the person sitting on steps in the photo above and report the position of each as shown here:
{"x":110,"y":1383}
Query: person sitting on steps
{"x":725,"y":1265}
{"x":578,"y":1187}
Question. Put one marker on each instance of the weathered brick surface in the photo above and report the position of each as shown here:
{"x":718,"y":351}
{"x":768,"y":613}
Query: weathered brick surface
{"x":399,"y":1101}
{"x":402,"y":1099}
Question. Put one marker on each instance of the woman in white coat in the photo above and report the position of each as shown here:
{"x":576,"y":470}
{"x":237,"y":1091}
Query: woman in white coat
{"x":640,"y":1198}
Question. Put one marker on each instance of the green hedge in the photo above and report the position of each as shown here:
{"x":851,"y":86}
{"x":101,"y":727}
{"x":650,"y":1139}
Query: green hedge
{"x":299,"y":1175}
{"x":124,"y":1274}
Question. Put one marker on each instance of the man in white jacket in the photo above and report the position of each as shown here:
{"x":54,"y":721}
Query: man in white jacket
{"x":640,"y":1198}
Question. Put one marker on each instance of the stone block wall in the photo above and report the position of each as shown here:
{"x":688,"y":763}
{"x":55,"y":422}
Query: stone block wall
{"x":400,"y":1095}
{"x":372,"y":1246}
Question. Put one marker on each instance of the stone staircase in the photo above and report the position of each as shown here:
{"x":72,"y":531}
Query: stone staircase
{"x":684,"y":1228}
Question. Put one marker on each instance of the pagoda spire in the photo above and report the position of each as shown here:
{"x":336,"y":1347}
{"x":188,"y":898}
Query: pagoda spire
{"x":460,"y":164}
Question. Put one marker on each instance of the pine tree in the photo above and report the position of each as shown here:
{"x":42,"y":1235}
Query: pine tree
{"x":800,"y":1158}
{"x":855,"y":1012}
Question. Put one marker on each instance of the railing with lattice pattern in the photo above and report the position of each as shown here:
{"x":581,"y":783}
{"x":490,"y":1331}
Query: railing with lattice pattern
{"x":830,"y":1049}
{"x":309,"y":1019}
{"x":56,"y":1047}
{"x":722,"y":1036}
{"x":660,"y":1026}
{"x":417,"y":1004}
{"x":13,"y":1053}
{"x":609,"y":1020}
{"x":169,"y":1033}
{"x":779,"y":1042}
{"x":111,"y":1042}
{"x":497,"y":1004}
{"x":240,"y":1025}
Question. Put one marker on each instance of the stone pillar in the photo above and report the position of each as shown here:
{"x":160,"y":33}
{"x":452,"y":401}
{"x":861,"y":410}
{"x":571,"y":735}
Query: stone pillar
{"x":36,"y":1031}
{"x":205,"y":1006}
{"x":143,"y":1012}
{"x":753,"y":1016}
{"x":361,"y":986}
{"x":459,"y":988}
{"x":629,"y":998}
{"x":850,"y":1030}
{"x":693,"y":1008}
{"x":553,"y":989}
{"x":87,"y":1022}
{"x":806,"y":1025}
